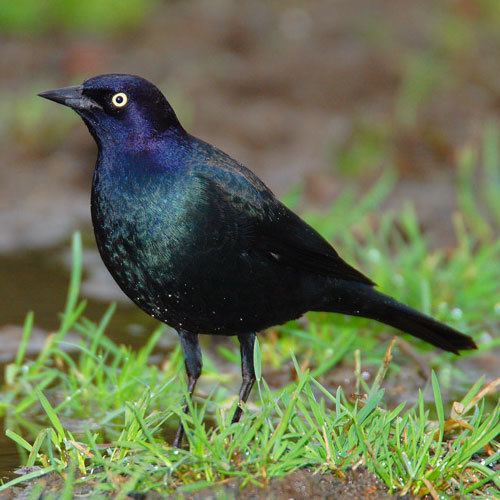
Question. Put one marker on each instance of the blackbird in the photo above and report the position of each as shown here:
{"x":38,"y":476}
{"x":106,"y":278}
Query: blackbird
{"x":199,"y":242}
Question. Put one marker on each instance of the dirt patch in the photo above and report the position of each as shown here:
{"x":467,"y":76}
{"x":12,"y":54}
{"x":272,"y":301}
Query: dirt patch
{"x":304,"y":483}
{"x":354,"y":484}
{"x":47,"y":486}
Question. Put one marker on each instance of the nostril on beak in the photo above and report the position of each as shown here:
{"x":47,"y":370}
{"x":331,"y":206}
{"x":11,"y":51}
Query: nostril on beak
{"x":70,"y":96}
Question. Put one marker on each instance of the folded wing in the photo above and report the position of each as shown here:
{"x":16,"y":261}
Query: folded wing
{"x":257,"y":221}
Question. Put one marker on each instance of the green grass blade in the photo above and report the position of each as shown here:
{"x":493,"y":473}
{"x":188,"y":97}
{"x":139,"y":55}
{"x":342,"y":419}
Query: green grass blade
{"x":52,"y":415}
{"x":19,"y":440}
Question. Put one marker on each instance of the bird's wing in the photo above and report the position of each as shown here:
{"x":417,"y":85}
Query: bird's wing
{"x":297,"y":243}
{"x":259,"y":222}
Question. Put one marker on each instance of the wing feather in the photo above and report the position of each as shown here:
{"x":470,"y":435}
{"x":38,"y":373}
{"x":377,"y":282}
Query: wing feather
{"x":262,"y":223}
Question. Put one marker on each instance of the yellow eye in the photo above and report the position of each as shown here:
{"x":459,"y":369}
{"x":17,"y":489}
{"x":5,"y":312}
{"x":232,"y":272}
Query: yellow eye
{"x":119,"y":100}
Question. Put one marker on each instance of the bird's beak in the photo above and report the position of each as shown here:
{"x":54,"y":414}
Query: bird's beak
{"x":72,"y":97}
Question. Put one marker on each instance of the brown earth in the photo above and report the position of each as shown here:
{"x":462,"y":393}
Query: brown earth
{"x":302,"y":484}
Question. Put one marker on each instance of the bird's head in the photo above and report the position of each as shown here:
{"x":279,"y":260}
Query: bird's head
{"x":118,"y":108}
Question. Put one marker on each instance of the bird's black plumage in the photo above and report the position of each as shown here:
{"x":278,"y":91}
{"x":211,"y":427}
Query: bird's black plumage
{"x":198,"y":241}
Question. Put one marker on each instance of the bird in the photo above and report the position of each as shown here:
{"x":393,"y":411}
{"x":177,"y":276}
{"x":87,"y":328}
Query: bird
{"x":198,"y":241}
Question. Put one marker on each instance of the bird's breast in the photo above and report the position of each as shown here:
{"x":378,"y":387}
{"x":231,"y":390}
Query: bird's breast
{"x":138,"y":225}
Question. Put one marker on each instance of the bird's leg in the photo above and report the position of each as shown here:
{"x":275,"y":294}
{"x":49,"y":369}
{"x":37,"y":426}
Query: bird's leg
{"x":193,"y":364}
{"x":247,"y":371}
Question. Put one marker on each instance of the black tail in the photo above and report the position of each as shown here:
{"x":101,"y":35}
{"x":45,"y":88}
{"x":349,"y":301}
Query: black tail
{"x":357,"y":299}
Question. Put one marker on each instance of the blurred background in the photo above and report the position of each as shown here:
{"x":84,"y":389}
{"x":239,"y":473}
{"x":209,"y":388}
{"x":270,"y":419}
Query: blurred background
{"x":316,"y":94}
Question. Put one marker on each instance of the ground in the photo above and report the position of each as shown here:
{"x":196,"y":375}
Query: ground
{"x":358,"y":484}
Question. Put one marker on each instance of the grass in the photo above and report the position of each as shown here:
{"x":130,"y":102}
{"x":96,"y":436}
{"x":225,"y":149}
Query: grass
{"x":100,"y":419}
{"x":30,"y":17}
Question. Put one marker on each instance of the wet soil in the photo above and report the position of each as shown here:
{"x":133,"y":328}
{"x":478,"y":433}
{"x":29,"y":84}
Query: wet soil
{"x":302,"y":484}
{"x":356,"y":484}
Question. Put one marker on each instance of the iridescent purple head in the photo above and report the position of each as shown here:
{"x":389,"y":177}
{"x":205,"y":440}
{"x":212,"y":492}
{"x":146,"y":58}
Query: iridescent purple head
{"x":118,"y":107}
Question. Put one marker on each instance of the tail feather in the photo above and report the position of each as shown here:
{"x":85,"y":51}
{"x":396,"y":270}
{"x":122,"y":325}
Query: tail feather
{"x":357,"y":299}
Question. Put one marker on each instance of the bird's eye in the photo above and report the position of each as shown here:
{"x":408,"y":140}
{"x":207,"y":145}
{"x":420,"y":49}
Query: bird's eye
{"x":119,"y":100}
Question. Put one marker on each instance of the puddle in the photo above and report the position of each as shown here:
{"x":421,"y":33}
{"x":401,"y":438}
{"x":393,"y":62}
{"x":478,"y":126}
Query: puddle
{"x":9,"y":456}
{"x":38,"y":280}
